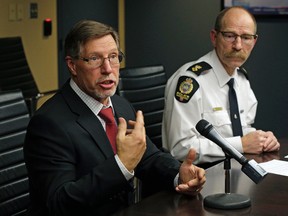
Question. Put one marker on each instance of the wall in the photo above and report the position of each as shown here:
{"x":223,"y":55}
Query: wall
{"x":41,"y":51}
{"x":173,"y":32}
{"x":71,"y":11}
{"x":268,"y":72}
{"x":168,"y":32}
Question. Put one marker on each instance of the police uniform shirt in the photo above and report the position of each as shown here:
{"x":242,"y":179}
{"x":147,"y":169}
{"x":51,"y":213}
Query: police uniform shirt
{"x":199,"y":90}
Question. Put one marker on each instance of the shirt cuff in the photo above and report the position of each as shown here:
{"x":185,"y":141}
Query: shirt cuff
{"x":176,"y":180}
{"x":236,"y":143}
{"x":128,"y":175}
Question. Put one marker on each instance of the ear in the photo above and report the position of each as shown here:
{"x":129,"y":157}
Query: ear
{"x":213,"y":37}
{"x":255,"y":41}
{"x":71,"y":65}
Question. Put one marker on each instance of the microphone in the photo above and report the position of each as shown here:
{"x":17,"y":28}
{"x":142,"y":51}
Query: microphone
{"x":249,"y":167}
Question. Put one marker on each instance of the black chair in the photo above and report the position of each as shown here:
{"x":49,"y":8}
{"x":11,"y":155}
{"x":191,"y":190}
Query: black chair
{"x":15,"y":72}
{"x":144,"y":87}
{"x":14,"y":118}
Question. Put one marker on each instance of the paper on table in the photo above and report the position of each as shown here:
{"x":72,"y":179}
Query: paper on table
{"x":277,"y":167}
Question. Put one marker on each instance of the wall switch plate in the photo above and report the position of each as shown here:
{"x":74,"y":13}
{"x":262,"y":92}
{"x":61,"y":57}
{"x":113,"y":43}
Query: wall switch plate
{"x":20,"y":12}
{"x":33,"y":10}
{"x":12,"y":12}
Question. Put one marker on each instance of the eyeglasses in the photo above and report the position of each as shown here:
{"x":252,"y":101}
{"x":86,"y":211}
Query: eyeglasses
{"x":245,"y":38}
{"x":97,"y":61}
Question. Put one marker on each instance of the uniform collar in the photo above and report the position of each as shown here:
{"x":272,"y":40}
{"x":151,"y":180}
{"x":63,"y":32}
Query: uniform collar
{"x":220,"y":71}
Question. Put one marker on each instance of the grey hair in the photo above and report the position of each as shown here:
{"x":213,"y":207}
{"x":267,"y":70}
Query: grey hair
{"x":83,"y":31}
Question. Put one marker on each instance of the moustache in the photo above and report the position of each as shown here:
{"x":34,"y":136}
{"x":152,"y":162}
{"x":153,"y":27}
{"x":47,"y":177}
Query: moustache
{"x":235,"y":55}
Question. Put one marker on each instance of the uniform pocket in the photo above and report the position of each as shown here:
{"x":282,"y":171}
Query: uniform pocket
{"x":218,"y":118}
{"x":222,"y":118}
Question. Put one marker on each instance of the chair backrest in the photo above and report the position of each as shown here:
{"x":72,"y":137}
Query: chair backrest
{"x":15,"y":72}
{"x":14,"y":118}
{"x":144,"y":87}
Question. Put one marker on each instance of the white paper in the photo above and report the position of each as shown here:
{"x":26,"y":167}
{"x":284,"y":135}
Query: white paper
{"x":277,"y":167}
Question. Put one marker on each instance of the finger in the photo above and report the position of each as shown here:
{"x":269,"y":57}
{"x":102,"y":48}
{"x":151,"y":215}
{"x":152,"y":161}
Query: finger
{"x":183,"y":188}
{"x":140,"y":117}
{"x":139,"y":125}
{"x":201,"y":173}
{"x":190,"y":157}
{"x":273,"y":146}
{"x":128,"y":131}
{"x":132,"y":123}
{"x":122,"y":128}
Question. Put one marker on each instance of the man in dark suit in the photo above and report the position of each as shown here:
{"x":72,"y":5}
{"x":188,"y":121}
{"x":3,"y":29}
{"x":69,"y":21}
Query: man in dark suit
{"x":71,"y":164}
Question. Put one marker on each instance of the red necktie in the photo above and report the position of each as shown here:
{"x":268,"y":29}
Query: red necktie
{"x":111,"y":128}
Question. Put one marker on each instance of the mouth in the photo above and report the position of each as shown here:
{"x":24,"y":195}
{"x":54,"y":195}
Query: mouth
{"x":107,"y":84}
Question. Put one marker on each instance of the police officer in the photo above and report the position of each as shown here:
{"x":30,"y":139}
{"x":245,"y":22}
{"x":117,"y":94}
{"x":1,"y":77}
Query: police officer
{"x":199,"y":90}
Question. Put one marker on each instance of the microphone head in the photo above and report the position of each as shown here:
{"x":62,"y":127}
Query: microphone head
{"x":203,"y":127}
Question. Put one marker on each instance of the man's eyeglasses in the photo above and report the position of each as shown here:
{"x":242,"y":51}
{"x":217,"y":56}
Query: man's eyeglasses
{"x":245,"y":38}
{"x":97,"y":61}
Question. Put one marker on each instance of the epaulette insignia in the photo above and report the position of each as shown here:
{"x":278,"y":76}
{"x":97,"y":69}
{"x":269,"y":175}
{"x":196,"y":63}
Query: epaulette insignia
{"x":185,"y":89}
{"x":199,"y":67}
{"x":243,"y":71}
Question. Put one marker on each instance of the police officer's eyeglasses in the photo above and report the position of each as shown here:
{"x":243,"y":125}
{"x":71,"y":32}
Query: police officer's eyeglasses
{"x":97,"y":61}
{"x":245,"y":38}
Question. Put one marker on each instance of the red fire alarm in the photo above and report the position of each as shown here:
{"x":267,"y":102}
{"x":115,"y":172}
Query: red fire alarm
{"x":47,"y":26}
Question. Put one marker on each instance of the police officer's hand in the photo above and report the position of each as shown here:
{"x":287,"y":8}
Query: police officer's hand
{"x":271,"y":142}
{"x":258,"y":141}
{"x":131,"y":143}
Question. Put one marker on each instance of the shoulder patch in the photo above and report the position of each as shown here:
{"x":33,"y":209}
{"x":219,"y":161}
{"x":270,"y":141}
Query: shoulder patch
{"x":243,"y":71}
{"x":185,"y":89}
{"x":198,"y":68}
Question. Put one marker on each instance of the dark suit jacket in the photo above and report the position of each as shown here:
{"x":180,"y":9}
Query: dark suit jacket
{"x":71,"y":165}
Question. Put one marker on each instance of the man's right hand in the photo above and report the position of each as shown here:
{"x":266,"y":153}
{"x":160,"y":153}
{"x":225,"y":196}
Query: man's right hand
{"x":131,"y":143}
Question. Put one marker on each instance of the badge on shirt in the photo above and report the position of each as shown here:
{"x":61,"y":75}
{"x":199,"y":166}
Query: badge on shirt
{"x":185,"y":89}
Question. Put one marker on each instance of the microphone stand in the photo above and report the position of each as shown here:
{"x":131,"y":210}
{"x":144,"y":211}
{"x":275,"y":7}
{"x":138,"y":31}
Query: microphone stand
{"x":227,"y":200}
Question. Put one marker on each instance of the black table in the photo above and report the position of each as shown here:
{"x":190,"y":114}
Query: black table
{"x":269,"y":197}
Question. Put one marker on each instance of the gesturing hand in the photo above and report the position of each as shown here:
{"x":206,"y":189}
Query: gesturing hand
{"x":191,"y":178}
{"x":131,"y":144}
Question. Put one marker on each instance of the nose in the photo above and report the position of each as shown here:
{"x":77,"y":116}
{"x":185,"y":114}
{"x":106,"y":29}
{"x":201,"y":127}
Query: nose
{"x":237,"y":44}
{"x":106,"y":67}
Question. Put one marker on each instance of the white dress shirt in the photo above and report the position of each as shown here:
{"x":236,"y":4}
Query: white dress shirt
{"x":96,"y":107}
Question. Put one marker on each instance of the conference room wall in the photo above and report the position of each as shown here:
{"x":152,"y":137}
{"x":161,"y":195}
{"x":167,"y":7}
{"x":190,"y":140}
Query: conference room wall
{"x":41,"y":51}
{"x":168,"y":32}
{"x":71,"y":11}
{"x":173,"y":32}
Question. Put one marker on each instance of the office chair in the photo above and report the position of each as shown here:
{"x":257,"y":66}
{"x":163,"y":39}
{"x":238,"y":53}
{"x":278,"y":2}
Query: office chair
{"x":144,"y":87}
{"x":15,"y":72}
{"x":14,"y":118}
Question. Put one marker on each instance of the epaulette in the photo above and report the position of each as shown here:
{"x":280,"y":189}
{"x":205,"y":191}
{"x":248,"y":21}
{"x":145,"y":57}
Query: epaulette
{"x":243,"y":71}
{"x":186,"y":87}
{"x":199,"y":67}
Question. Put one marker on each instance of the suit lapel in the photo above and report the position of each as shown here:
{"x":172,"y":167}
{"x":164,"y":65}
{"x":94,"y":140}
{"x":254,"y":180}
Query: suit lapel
{"x":121,"y":109}
{"x":87,"y":120}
